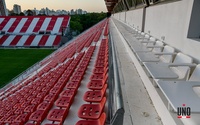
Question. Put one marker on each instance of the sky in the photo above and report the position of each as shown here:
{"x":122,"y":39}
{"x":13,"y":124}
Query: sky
{"x":88,"y":5}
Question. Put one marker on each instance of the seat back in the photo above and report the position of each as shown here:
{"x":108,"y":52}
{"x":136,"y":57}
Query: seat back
{"x":167,"y":58}
{"x":158,"y":43}
{"x":182,"y":58}
{"x":182,"y":71}
{"x":196,"y":74}
{"x":146,"y":36}
{"x":151,"y":39}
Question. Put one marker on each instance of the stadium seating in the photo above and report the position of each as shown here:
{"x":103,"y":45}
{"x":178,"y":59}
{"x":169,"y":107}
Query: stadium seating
{"x":43,"y":31}
{"x":48,"y":95}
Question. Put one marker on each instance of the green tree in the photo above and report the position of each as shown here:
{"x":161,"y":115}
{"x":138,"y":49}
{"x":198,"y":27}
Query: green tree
{"x":21,"y":14}
{"x":85,"y":21}
{"x":29,"y":12}
{"x":76,"y":26}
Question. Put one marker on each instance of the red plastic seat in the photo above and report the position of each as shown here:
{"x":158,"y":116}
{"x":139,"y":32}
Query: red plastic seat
{"x":30,"y":108}
{"x":81,"y":69}
{"x":38,"y":116}
{"x":96,"y":84}
{"x":67,"y":93}
{"x":64,"y":102}
{"x":76,"y":79}
{"x":22,"y":118}
{"x":91,"y":111}
{"x":25,"y":103}
{"x":100,"y":65}
{"x":99,"y":70}
{"x":41,"y":94}
{"x":36,"y":101}
{"x":17,"y":106}
{"x":19,"y":110}
{"x":60,"y":84}
{"x":58,"y":115}
{"x":97,"y":77}
{"x":73,"y":85}
{"x":79,"y":74}
{"x":10,"y":119}
{"x":44,"y":106}
{"x":95,"y":96}
{"x":55,"y":90}
{"x":50,"y":97}
{"x":100,"y":121}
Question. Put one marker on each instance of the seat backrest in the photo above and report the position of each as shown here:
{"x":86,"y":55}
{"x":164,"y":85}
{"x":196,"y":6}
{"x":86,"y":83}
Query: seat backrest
{"x":147,"y":36}
{"x":182,"y":58}
{"x":152,"y":39}
{"x":167,"y":58}
{"x":196,"y":74}
{"x":141,"y":35}
{"x":158,"y":43}
{"x":182,"y":71}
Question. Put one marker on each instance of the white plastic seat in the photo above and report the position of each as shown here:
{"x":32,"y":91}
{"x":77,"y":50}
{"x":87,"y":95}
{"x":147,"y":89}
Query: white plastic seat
{"x":141,"y":36}
{"x":179,"y":92}
{"x":166,"y":55}
{"x":179,"y":69}
{"x":195,"y":76}
{"x":182,"y":71}
{"x":151,"y":40}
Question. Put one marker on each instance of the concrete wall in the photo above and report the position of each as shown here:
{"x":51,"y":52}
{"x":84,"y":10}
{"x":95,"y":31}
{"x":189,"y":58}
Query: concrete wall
{"x":133,"y":17}
{"x":171,"y":21}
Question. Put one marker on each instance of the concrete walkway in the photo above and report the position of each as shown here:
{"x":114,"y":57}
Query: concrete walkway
{"x":138,"y":106}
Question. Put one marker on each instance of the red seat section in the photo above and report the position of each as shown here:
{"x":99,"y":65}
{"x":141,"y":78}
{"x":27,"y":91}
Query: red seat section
{"x":24,"y":27}
{"x":48,"y":95}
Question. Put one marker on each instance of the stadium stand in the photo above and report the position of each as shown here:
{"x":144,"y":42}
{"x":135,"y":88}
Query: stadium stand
{"x":29,"y":31}
{"x":75,"y":73}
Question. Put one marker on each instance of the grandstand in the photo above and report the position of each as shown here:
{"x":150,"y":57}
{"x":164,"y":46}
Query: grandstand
{"x":140,"y":66}
{"x":32,"y":31}
{"x":51,"y":94}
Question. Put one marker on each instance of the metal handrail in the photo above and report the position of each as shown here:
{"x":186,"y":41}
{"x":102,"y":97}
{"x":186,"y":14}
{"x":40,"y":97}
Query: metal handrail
{"x":115,"y":102}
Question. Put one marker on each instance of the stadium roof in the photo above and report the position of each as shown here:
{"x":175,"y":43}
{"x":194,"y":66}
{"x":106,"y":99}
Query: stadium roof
{"x":110,"y":4}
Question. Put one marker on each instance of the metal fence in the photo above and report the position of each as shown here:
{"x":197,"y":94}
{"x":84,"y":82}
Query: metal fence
{"x":115,"y":99}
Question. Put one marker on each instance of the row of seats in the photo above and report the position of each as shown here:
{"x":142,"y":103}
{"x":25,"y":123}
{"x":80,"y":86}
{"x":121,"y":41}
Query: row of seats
{"x":175,"y":73}
{"x":86,"y":38}
{"x":93,"y":113}
{"x":62,"y":103}
{"x":21,"y":24}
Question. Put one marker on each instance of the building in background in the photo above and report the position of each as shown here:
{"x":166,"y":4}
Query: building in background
{"x":79,"y":11}
{"x":72,"y":12}
{"x":3,"y":9}
{"x":17,"y":9}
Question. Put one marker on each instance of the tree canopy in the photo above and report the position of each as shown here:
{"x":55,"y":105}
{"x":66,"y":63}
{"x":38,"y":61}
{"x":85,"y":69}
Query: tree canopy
{"x":82,"y":22}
